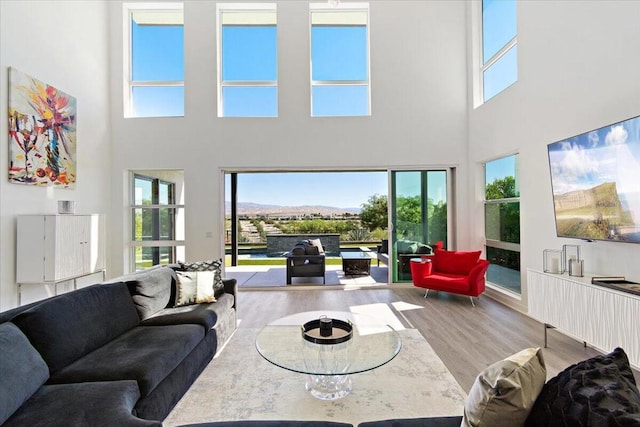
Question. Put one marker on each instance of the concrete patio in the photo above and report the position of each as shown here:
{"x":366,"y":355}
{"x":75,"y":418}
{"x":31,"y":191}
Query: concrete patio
{"x":275,"y":276}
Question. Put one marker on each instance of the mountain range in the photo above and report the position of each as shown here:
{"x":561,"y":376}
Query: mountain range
{"x":248,"y":208}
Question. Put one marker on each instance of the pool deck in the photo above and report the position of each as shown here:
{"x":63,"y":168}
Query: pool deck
{"x":275,"y":276}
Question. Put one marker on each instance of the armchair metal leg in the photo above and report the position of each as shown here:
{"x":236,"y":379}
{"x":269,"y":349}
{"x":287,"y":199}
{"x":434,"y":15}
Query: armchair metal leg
{"x":426,"y":293}
{"x":472,"y":304}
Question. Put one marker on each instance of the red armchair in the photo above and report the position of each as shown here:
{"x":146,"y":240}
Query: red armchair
{"x":450,"y":271}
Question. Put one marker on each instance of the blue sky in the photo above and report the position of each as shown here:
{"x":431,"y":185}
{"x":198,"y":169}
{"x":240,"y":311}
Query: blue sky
{"x":608,"y":154}
{"x":500,"y":168}
{"x":338,"y":189}
{"x":250,"y":54}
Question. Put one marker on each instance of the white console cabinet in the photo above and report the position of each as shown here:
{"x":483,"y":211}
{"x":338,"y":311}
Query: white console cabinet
{"x":58,"y":248}
{"x":602,"y":317}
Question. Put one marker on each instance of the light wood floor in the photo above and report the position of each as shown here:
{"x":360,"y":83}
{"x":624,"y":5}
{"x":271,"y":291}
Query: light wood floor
{"x":467,"y":339}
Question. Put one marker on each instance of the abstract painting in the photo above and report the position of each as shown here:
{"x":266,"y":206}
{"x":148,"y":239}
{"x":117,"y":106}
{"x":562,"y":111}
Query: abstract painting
{"x":42,"y":133}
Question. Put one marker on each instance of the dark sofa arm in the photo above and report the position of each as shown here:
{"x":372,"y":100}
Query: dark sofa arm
{"x":231,"y":287}
{"x":453,"y":421}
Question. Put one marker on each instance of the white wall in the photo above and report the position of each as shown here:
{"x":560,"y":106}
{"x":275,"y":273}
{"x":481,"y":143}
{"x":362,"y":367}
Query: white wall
{"x":63,"y":43}
{"x":419,"y":113}
{"x":578,"y":69}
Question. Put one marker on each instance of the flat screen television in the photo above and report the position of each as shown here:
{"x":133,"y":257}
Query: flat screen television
{"x":595,"y":179}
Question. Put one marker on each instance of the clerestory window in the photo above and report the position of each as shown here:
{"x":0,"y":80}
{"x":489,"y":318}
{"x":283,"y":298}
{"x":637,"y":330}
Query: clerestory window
{"x":340,"y":81}
{"x":247,"y":60}
{"x":154,"y":42}
{"x":499,"y":68}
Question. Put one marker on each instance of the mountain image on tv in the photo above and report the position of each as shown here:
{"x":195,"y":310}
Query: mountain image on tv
{"x":595,"y":178}
{"x":595,"y":213}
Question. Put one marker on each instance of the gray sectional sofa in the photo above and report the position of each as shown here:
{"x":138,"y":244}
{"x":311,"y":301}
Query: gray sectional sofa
{"x":116,"y":353}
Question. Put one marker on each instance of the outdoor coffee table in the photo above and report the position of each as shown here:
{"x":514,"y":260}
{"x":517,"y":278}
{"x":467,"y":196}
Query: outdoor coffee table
{"x":328,"y":366}
{"x":356,"y":263}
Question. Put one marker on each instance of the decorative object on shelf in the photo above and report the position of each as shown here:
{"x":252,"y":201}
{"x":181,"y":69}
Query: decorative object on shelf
{"x":42,"y":133}
{"x":619,"y":283}
{"x":327,"y":331}
{"x":576,"y":268}
{"x":570,"y":253}
{"x":66,"y":207}
{"x":552,"y":261}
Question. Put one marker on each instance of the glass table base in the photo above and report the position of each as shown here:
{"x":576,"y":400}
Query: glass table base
{"x":328,"y":387}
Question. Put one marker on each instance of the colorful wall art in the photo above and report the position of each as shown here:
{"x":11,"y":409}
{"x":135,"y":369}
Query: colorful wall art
{"x":42,"y":133}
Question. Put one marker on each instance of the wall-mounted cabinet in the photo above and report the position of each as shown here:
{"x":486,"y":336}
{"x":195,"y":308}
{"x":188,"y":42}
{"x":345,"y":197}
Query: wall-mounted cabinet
{"x":57,"y":248}
{"x":602,"y":317}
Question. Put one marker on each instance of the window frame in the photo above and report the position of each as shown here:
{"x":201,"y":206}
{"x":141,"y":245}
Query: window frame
{"x":485,"y":65}
{"x":501,"y":244}
{"x":129,"y":84}
{"x":332,"y":8}
{"x":222,"y":8}
{"x":156,"y":242}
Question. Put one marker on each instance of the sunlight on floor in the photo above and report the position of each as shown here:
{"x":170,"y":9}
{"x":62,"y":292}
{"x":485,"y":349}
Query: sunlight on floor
{"x":381,"y":312}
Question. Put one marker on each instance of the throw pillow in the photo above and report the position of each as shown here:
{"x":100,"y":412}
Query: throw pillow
{"x":600,"y":391}
{"x":22,"y":370}
{"x":186,"y":288}
{"x":205,"y":290}
{"x":211,"y":265}
{"x":318,"y":244}
{"x":195,"y":287}
{"x":455,"y":262}
{"x":504,"y":393}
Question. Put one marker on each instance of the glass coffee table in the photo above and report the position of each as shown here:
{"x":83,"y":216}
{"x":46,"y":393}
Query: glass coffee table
{"x":328,"y":366}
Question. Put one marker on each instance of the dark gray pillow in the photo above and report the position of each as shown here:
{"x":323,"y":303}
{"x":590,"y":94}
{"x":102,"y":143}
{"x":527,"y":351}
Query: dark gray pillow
{"x":151,"y":290}
{"x":298,"y":251}
{"x":22,"y":370}
{"x":600,"y":391}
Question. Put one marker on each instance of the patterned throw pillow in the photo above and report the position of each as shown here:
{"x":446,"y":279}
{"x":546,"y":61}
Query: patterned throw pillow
{"x":194,"y":287}
{"x":600,"y":391}
{"x":212,"y":265}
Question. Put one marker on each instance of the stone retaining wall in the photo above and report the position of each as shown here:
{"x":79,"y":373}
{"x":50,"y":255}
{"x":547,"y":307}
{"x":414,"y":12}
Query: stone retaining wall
{"x":278,"y":244}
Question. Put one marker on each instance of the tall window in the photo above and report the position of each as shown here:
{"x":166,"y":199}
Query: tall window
{"x":499,"y":46}
{"x":154,"y":40}
{"x":157,"y":220}
{"x":502,"y":222}
{"x":247,"y":60}
{"x":340,"y":60}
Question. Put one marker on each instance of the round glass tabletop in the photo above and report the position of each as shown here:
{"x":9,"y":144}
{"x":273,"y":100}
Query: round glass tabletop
{"x":373,"y":344}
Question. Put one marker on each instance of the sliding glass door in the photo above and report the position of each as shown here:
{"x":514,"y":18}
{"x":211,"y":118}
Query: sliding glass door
{"x":418,"y":217}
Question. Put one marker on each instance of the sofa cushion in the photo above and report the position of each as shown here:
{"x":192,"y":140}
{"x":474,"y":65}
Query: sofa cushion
{"x":455,"y":262}
{"x":424,"y":249}
{"x":406,"y":247}
{"x":270,"y":423}
{"x":146,"y":354}
{"x":451,"y":421}
{"x":600,"y":391}
{"x":446,"y":282}
{"x":151,"y":289}
{"x":504,"y":393}
{"x":316,"y":243}
{"x":206,"y":315}
{"x":22,"y":370}
{"x":74,"y":324}
{"x":98,"y":404}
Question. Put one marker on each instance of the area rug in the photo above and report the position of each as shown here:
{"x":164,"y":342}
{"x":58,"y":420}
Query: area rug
{"x":240,"y":385}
